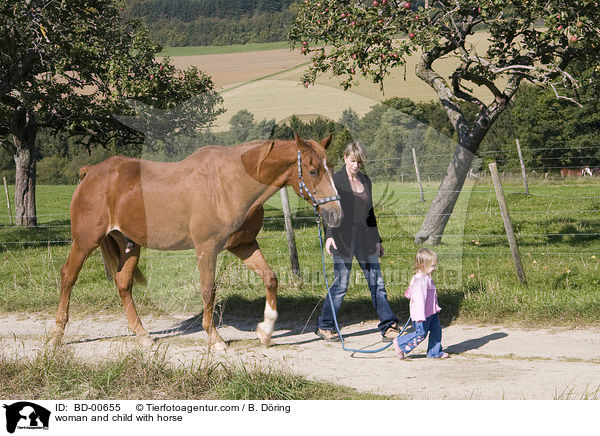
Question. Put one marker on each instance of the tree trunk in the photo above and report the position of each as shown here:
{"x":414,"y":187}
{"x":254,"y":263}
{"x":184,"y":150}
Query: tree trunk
{"x":439,"y":213}
{"x":469,"y":139}
{"x":24,"y":128}
{"x":25,"y":211}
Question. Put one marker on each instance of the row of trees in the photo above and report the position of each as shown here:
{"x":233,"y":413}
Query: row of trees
{"x":190,"y":10}
{"x":553,"y":134}
{"x":214,"y":22}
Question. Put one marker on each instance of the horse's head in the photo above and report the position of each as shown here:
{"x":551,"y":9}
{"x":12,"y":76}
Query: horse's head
{"x":314,"y":182}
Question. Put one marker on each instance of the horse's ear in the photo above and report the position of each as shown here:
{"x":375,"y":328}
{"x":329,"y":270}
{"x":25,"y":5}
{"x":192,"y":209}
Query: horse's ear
{"x":326,"y":142}
{"x":265,"y":149}
{"x":299,"y":141}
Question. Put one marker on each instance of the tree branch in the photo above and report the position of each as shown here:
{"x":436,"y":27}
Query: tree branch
{"x":426,"y":73}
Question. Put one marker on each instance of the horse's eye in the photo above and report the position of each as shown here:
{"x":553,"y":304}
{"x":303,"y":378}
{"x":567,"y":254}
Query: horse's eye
{"x":314,"y":173}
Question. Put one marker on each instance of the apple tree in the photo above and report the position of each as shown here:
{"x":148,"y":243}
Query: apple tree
{"x":538,"y":41}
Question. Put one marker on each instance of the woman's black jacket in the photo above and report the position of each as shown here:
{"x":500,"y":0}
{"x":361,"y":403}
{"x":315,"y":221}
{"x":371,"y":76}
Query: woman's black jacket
{"x":367,"y":234}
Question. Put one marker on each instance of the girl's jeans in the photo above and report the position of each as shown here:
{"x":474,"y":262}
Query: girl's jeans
{"x":431,"y":325}
{"x":372,"y":270}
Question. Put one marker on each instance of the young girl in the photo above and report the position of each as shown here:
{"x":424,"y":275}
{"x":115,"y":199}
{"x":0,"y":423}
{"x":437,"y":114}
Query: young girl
{"x":423,"y":309}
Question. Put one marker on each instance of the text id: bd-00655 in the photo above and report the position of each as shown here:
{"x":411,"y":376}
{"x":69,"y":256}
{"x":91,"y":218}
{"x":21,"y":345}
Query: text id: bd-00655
{"x":88,"y":407}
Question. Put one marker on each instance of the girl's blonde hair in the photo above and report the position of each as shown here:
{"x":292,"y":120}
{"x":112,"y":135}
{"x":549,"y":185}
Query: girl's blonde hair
{"x":356,"y":150}
{"x":424,"y":258}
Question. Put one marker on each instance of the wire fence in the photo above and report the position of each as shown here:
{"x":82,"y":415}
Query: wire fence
{"x":579,"y":207}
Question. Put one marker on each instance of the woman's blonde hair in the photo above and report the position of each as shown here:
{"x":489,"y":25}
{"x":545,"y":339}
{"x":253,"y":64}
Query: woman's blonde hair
{"x":356,"y":150}
{"x":424,"y":258}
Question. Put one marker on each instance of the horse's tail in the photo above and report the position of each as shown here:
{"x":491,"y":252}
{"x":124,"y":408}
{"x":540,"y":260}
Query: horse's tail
{"x":82,"y":172}
{"x":111,"y":256}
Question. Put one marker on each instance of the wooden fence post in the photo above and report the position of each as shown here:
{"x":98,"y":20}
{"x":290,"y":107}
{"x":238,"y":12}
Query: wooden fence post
{"x":7,"y":201}
{"x":289,"y":231}
{"x":414,"y":153}
{"x":523,"y":173}
{"x":512,"y":241}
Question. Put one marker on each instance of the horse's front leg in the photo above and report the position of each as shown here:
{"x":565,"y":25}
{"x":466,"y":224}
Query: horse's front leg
{"x":207,"y":262}
{"x":251,"y":255}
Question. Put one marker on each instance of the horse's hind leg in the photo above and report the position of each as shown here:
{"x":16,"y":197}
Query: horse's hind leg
{"x":251,"y":255}
{"x":68,"y":276}
{"x":207,"y":263}
{"x":124,"y":281}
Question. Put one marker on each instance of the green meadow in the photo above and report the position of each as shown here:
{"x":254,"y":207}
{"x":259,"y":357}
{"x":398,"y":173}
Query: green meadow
{"x":557,"y":228}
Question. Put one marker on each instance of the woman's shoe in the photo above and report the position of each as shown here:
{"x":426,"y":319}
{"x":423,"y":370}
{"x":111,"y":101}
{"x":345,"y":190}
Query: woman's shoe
{"x":391,"y":333}
{"x":443,"y":356}
{"x":327,"y":335}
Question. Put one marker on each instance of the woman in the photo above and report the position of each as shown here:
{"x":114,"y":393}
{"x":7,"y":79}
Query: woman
{"x":358,"y":237}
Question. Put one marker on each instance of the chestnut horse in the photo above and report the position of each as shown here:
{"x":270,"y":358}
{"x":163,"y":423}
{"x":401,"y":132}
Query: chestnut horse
{"x":210,"y":201}
{"x":576,"y":172}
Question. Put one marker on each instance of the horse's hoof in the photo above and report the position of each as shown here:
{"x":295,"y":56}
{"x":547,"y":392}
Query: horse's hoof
{"x":263,"y":336}
{"x":146,"y":341}
{"x":54,"y":341}
{"x":219,"y":346}
{"x":55,"y":338}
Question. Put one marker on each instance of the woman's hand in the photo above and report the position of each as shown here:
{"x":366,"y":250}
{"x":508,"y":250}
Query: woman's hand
{"x":379,"y":249}
{"x":328,"y":244}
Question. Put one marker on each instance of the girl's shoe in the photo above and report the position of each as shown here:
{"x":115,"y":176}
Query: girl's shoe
{"x":399,"y":352}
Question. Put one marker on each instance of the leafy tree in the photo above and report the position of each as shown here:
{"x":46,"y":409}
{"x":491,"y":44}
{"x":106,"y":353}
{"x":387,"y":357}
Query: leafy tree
{"x":562,"y":134}
{"x":390,"y":141}
{"x":529,"y":41}
{"x":70,"y":66}
{"x":261,"y":130}
{"x":241,"y":123}
{"x":350,"y":120}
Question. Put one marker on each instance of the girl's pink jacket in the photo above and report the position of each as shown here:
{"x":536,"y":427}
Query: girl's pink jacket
{"x":423,"y":297}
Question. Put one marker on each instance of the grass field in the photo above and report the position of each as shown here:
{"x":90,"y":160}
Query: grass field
{"x":557,"y":228}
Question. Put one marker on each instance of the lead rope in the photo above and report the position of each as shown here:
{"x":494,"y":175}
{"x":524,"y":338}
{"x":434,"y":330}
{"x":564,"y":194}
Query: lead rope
{"x":354,"y":350}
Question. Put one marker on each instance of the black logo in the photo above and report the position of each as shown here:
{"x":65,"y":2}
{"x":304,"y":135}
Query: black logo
{"x":25,"y":415}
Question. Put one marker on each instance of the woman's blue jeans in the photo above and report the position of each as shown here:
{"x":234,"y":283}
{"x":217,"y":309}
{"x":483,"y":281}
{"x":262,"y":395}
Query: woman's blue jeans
{"x":342,"y":267}
{"x":431,"y":325}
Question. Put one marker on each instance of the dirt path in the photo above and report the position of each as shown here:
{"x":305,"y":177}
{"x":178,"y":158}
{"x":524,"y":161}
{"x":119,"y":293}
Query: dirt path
{"x":490,"y":362}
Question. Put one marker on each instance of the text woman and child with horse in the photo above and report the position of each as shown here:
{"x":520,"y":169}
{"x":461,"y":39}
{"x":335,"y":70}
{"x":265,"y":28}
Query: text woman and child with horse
{"x":213,"y":201}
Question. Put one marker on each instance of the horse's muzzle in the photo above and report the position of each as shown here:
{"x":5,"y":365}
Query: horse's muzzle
{"x":332,"y":215}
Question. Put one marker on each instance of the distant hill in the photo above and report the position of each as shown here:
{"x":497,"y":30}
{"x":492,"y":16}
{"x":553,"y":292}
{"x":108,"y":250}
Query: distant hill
{"x":213,"y":22}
